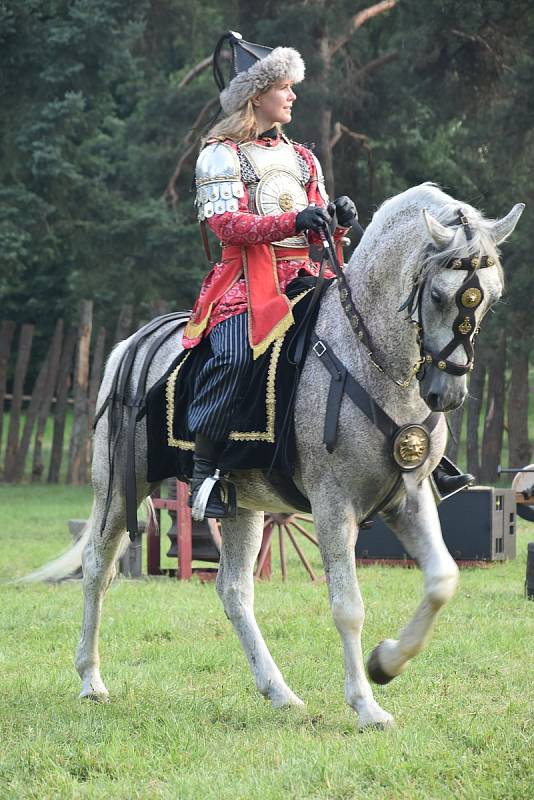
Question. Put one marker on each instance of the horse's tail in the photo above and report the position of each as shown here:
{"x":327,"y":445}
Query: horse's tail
{"x":64,"y":565}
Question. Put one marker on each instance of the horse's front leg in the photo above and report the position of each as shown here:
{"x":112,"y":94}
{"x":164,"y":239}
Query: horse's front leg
{"x":420,"y":534}
{"x":336,"y":531}
{"x":241,"y":541}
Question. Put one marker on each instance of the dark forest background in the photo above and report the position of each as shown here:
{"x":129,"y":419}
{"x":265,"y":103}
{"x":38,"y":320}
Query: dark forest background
{"x":102,"y":103}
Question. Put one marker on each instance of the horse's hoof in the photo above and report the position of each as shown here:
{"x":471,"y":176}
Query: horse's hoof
{"x":98,"y":694}
{"x":375,"y":671}
{"x":96,"y":698}
{"x":286,"y":700}
{"x":385,"y":724}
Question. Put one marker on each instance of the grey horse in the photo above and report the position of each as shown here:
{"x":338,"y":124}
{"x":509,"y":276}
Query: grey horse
{"x":412,"y":236}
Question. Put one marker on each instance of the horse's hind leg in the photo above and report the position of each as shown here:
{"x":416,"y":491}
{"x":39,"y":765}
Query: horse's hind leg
{"x":241,"y":540}
{"x":420,"y":534}
{"x":336,"y":531}
{"x":98,"y":562}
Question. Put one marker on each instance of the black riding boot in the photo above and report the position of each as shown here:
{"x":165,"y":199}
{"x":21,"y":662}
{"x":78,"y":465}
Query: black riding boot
{"x":449,"y":484}
{"x":205,"y":459}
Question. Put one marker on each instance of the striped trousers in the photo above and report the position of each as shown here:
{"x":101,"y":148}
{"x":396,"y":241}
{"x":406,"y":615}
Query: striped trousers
{"x":218,"y":384}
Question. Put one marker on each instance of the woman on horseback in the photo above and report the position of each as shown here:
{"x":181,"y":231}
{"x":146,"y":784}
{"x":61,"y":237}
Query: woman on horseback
{"x":263,"y":196}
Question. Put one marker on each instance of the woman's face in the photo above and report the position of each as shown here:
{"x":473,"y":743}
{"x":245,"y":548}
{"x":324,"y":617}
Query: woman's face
{"x":274,"y":105}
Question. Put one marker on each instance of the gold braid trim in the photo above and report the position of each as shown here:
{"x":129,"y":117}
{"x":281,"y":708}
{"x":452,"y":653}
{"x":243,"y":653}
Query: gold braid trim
{"x":270,"y":395}
{"x":270,"y":404}
{"x":169,"y":400}
{"x":194,"y":329}
{"x":278,"y":332}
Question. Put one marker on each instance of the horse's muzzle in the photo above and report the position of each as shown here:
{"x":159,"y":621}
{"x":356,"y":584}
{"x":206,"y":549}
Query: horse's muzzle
{"x":441,"y":391}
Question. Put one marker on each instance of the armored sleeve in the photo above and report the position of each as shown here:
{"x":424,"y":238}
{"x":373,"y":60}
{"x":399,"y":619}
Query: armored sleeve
{"x":222,"y":201}
{"x":218,"y":180}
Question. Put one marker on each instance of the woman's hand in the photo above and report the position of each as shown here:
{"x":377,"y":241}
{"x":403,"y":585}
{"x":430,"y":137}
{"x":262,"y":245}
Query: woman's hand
{"x":312,"y":218}
{"x":345,"y":211}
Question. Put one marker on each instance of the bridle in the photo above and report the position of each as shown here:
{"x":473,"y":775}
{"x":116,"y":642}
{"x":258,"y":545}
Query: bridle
{"x":468,"y":298}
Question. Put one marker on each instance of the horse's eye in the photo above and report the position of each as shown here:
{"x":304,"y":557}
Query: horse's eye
{"x":436,"y":297}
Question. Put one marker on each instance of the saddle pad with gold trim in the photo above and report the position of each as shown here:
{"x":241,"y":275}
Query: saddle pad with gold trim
{"x":262,"y":436}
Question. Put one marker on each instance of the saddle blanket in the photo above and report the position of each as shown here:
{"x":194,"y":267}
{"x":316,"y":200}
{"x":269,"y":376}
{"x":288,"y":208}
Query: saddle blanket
{"x":263,"y":435}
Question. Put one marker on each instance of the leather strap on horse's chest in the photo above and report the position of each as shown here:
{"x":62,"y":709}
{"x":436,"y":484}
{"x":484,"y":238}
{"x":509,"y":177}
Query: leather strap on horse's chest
{"x":343,"y":382}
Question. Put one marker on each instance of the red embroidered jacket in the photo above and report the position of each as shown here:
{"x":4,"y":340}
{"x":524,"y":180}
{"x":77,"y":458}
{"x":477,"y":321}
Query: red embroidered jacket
{"x":244,"y":235}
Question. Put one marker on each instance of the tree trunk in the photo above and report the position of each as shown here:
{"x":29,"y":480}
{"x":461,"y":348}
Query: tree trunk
{"x":62,"y":400}
{"x":80,"y":429}
{"x":48,"y":393}
{"x":6,"y":336}
{"x":494,"y":420}
{"x":454,"y":419}
{"x":124,"y":323}
{"x":23,"y":356}
{"x":519,"y":447}
{"x":325,"y":117}
{"x":474,"y":407}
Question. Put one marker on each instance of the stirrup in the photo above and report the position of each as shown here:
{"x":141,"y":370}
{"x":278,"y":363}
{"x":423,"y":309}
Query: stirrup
{"x":200,"y":506}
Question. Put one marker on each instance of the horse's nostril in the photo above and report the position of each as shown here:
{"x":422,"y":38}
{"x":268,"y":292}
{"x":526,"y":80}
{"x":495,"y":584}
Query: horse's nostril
{"x":433,"y":400}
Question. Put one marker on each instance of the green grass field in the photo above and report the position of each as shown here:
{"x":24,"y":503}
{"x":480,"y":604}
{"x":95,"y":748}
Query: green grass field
{"x":185,"y":720}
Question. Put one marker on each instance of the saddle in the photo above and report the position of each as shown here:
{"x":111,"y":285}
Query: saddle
{"x":262,"y":435}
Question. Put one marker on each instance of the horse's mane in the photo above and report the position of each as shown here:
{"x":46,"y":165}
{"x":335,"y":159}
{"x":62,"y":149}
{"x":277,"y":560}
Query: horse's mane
{"x":408,"y":205}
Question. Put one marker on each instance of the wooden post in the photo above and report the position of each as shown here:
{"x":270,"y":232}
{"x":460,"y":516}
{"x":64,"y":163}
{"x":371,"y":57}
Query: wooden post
{"x":29,"y":422}
{"x":23,"y":356}
{"x":184,"y":533}
{"x":48,"y":393}
{"x":80,"y":430}
{"x":6,"y":335}
{"x":60,"y":411}
{"x":153,"y":542}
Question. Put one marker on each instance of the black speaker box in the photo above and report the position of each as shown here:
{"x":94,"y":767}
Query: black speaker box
{"x":478,"y":524}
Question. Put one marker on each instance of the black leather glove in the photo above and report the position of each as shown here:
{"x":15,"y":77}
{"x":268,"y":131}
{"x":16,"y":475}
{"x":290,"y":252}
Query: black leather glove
{"x":345,"y":211}
{"x":312,"y":218}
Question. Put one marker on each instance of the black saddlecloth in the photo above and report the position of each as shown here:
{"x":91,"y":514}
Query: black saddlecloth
{"x":263,"y":435}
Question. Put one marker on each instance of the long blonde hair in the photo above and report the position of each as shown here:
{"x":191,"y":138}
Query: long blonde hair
{"x":241,"y":126}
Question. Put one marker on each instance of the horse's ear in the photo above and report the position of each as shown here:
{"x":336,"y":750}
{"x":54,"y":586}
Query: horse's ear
{"x":441,"y":235}
{"x":502,"y":229}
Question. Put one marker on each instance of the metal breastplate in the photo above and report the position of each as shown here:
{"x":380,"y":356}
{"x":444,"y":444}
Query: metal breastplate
{"x":274,"y":180}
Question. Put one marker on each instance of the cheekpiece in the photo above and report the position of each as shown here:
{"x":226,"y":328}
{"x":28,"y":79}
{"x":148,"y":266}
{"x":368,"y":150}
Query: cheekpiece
{"x":411,"y":447}
{"x":218,"y":180}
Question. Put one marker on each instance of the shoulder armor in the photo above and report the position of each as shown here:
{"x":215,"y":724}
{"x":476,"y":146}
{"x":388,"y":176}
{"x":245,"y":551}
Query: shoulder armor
{"x":320,"y":179}
{"x":218,"y":180}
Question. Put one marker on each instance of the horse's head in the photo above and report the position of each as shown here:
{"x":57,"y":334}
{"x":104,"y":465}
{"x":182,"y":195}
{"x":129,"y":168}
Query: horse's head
{"x":459,"y":280}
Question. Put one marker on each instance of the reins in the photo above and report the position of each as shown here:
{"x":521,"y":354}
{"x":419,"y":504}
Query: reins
{"x":468,"y":298}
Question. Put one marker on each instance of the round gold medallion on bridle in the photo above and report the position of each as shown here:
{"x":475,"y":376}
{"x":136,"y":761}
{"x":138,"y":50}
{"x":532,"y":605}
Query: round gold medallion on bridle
{"x":411,"y":446}
{"x":471,"y":297}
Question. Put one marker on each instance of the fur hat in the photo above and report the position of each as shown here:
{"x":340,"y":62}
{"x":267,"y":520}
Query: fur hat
{"x":264,"y":68}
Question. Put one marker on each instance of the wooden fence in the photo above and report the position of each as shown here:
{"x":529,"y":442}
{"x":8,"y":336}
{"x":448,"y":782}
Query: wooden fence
{"x":68,"y":378}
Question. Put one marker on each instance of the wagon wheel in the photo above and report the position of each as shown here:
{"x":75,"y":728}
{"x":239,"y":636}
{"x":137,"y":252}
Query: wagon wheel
{"x":523,"y":485}
{"x":285,"y":525}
